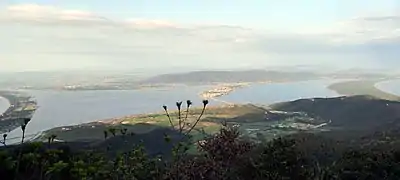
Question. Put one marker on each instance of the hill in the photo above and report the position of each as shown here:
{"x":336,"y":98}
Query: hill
{"x":227,"y":154}
{"x":340,"y":118}
{"x":347,"y":113}
{"x":203,"y":77}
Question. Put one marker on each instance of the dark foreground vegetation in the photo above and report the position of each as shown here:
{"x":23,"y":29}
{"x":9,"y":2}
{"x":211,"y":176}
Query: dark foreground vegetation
{"x":225,"y":155}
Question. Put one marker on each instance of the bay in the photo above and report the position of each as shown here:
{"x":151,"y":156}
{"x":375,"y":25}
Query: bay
{"x":279,"y":92}
{"x":63,"y":108}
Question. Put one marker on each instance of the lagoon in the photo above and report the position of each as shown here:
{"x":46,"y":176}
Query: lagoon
{"x":279,"y":92}
{"x":4,"y":104}
{"x":63,"y":108}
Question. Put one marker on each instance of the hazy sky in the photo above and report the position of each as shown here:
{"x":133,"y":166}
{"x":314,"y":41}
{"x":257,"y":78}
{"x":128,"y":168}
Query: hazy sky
{"x":153,"y":34}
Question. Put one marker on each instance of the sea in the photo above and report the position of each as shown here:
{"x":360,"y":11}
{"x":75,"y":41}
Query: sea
{"x":264,"y":94}
{"x":3,"y":105}
{"x":63,"y":108}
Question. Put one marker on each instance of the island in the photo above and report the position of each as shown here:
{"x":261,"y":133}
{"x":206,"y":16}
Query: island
{"x":21,"y":107}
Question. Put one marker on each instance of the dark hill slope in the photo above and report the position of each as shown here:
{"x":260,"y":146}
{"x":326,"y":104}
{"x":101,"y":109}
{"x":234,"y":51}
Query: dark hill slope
{"x":199,"y":77}
{"x":349,"y":113}
{"x":95,"y":131}
{"x":154,"y":142}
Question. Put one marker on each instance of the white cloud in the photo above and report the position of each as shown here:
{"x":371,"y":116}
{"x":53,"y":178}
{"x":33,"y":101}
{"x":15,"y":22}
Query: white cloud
{"x":361,"y":29}
{"x":149,"y":24}
{"x":50,"y":37}
{"x":47,"y":14}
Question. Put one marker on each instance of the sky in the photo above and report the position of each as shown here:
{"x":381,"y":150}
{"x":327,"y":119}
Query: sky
{"x":51,"y":35}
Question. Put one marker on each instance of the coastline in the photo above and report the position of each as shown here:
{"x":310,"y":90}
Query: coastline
{"x":362,"y":87}
{"x":7,"y":102}
{"x":346,"y":88}
{"x":222,"y":89}
{"x":146,"y":122}
{"x":20,"y":107}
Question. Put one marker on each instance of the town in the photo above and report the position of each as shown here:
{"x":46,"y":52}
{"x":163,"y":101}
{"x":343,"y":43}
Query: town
{"x":222,"y":90}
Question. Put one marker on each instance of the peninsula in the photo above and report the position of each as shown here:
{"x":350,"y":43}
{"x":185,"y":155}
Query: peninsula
{"x":362,"y":87}
{"x":222,"y":90}
{"x":21,"y":107}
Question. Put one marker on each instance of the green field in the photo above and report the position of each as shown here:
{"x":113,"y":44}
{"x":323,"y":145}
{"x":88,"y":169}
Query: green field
{"x":211,"y":118}
{"x":210,"y":122}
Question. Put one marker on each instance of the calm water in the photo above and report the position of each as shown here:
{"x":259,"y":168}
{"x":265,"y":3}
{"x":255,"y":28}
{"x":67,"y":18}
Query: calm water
{"x":273,"y":93}
{"x":3,"y":105}
{"x":60,"y":108}
{"x":392,"y":86}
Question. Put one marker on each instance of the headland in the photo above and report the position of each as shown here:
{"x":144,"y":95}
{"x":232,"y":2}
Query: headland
{"x":362,"y":87}
{"x":21,"y":107}
{"x":222,"y":90}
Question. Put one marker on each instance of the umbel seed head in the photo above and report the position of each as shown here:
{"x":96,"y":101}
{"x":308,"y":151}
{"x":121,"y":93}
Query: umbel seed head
{"x":179,"y":105}
{"x":26,"y":120}
{"x":188,"y":103}
{"x":205,"y":102}
{"x":23,"y":127}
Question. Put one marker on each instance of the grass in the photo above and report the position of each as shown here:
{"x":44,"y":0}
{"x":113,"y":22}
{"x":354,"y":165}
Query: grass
{"x":30,"y":107}
{"x":210,"y":123}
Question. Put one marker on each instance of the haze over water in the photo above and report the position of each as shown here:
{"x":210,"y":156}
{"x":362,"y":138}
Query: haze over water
{"x":392,"y":86}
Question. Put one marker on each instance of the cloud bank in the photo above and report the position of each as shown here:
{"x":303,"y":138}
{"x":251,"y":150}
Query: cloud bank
{"x":36,"y":37}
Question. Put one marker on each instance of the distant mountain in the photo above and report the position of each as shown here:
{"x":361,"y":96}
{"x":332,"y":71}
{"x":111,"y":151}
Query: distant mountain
{"x":360,"y":73}
{"x":201,"y":77}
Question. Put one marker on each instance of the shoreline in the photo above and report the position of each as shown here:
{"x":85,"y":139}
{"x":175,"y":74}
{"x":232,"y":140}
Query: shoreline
{"x":7,"y":102}
{"x":21,"y":106}
{"x":230,"y":88}
{"x":346,"y":88}
{"x":221,"y":90}
{"x":363,"y":87}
